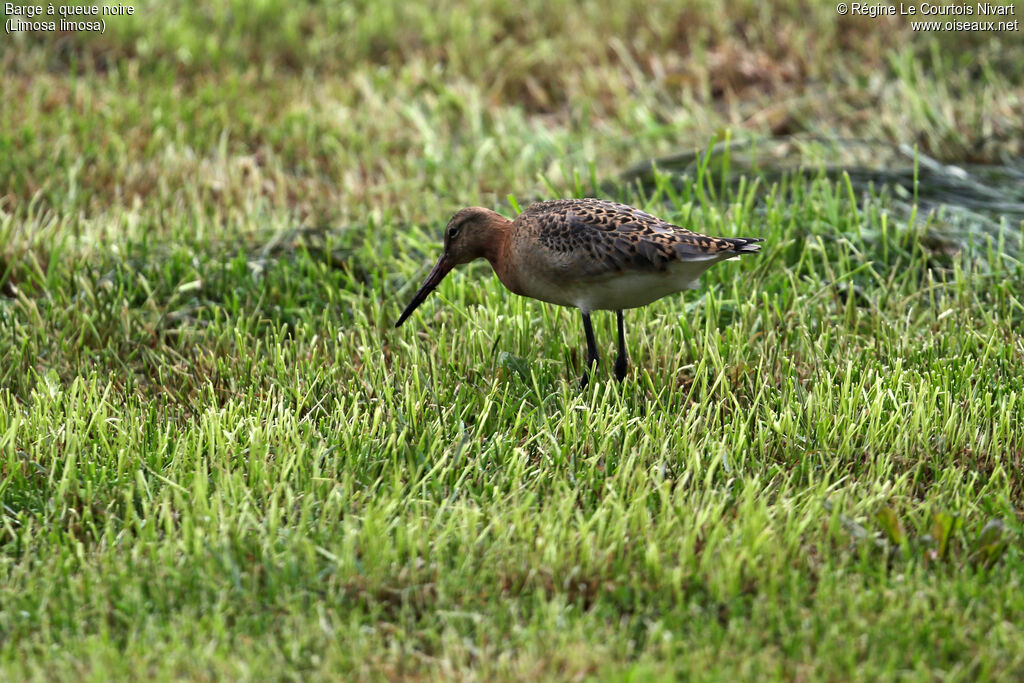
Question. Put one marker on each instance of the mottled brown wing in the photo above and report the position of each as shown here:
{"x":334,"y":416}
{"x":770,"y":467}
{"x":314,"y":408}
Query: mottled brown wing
{"x":611,"y":237}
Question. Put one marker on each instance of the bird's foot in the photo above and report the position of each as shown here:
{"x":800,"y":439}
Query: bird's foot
{"x":621,"y":364}
{"x":585,"y":377}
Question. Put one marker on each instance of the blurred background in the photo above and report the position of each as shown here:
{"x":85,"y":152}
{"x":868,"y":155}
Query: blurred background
{"x":333,"y":112}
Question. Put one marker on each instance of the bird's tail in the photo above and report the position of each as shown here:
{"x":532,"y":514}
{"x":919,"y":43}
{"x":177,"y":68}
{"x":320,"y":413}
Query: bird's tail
{"x":746,"y":245}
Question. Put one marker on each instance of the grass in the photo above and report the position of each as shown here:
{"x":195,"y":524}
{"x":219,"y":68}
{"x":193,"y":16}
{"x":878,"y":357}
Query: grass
{"x":218,"y":459}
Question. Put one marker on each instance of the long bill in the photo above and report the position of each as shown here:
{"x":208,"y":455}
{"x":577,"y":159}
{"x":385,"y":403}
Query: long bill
{"x":441,"y":269}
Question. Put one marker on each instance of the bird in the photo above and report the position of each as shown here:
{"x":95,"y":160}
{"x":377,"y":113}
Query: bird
{"x":589,"y":254}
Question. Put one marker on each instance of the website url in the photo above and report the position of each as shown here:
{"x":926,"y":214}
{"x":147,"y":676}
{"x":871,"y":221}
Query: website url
{"x":965,"y":25}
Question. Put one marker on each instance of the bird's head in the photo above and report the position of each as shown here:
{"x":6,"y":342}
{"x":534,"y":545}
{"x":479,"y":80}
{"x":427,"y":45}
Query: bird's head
{"x":471,"y":233}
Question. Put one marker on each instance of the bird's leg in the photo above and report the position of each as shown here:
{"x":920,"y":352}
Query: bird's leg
{"x":622,"y":360}
{"x":592,"y":357}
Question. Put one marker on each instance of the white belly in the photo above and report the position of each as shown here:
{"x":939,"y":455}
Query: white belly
{"x":613,"y":292}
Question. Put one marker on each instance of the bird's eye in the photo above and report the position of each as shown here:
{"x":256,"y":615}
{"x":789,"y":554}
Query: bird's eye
{"x":452,"y":232}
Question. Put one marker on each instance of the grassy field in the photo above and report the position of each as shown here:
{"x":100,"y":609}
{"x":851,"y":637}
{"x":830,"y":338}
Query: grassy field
{"x":218,"y":458}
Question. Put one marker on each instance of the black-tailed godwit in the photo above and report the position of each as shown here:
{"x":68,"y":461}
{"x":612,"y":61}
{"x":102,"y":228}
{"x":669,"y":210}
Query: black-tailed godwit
{"x":590,"y":254}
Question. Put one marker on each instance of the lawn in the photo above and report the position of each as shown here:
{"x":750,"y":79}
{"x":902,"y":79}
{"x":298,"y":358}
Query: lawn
{"x":220,"y":460}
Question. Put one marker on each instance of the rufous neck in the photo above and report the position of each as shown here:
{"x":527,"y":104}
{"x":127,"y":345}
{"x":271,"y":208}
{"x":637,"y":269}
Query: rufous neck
{"x":496,"y":250}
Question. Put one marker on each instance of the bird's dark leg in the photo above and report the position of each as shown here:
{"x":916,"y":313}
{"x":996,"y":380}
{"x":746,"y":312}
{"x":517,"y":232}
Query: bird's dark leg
{"x":592,"y":357}
{"x":622,"y":360}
